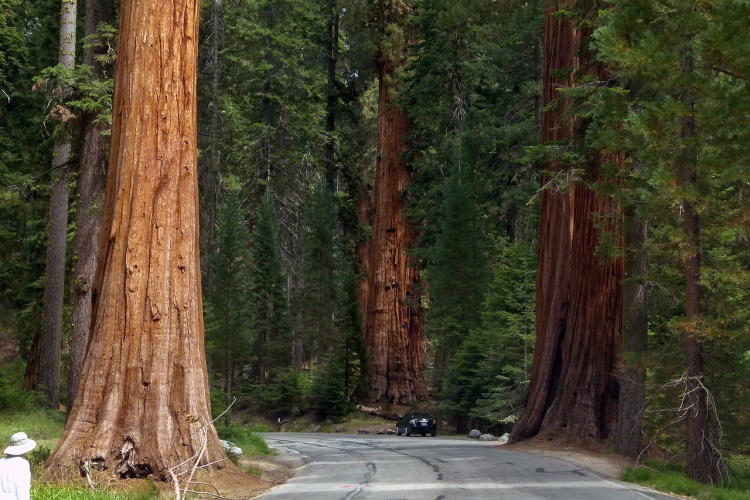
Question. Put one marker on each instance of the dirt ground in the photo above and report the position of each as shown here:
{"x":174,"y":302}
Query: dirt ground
{"x":602,"y":462}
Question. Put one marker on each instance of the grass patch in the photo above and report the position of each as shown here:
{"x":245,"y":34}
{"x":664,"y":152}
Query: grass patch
{"x":144,"y":491}
{"x":251,"y":443}
{"x":739,"y":473}
{"x":670,"y":478}
{"x":253,"y":470}
{"x":43,"y":426}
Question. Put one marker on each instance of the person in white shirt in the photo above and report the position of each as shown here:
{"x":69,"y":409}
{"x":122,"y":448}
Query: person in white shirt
{"x":15,"y":471}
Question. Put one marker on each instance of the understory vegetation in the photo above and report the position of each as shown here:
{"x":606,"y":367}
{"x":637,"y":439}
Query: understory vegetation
{"x":670,"y":477}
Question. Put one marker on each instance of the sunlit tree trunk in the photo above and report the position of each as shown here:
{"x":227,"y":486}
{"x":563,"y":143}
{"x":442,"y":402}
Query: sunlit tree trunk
{"x":143,"y":404}
{"x":49,"y":369}
{"x":91,"y":186}
{"x":573,"y":390}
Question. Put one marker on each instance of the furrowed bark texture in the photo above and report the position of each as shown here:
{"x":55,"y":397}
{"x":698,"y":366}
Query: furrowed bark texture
{"x":393,"y":321}
{"x":91,"y":186}
{"x":49,"y":370}
{"x":573,"y":391}
{"x":144,"y":400}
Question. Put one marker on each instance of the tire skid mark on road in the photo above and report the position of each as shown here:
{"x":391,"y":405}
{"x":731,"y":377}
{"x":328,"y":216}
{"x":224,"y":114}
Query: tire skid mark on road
{"x":346,"y":451}
{"x":435,"y":468}
{"x":372,"y":469}
{"x":370,"y":444}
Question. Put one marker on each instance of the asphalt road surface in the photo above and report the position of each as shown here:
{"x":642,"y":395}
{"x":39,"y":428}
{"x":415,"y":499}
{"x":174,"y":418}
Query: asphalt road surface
{"x":378,"y":467}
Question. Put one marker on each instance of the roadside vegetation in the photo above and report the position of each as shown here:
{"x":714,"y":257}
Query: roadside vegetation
{"x":669,"y":477}
{"x":245,"y":438}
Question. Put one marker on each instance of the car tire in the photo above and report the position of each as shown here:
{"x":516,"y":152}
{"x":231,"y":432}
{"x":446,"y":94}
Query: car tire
{"x":398,"y":431}
{"x":408,"y":432}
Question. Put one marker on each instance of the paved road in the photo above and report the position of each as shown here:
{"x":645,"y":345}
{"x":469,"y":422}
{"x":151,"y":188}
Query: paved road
{"x":374,"y":467}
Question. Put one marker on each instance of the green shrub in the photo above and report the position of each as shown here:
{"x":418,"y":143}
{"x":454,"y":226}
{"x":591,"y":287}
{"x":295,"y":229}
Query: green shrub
{"x":13,"y":398}
{"x":739,"y":472}
{"x":287,"y":395}
{"x":329,"y":395}
{"x":37,"y":457}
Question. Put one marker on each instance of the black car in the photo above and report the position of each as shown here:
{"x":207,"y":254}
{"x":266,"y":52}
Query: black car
{"x":416,"y":423}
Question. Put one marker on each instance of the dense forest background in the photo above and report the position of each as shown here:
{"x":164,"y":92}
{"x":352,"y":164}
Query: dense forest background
{"x":295,"y":98}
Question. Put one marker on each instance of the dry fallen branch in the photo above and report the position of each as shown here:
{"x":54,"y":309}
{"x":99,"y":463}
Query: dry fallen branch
{"x":195,"y":460}
{"x":687,"y":386}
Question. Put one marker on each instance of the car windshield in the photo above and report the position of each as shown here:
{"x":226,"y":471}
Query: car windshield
{"x":421,"y":415}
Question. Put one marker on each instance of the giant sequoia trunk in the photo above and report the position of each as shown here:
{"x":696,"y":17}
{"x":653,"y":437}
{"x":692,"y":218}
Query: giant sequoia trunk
{"x":393,"y":318}
{"x":91,"y":185}
{"x":573,"y":390}
{"x":143,"y":404}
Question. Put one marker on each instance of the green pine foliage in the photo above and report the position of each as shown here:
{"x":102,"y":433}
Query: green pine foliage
{"x":491,"y":370}
{"x":329,"y":312}
{"x":320,"y":294}
{"x":28,"y":43}
{"x":272,"y":91}
{"x":229,"y":331}
{"x":457,"y":277}
{"x":509,"y":317}
{"x":472,"y":88}
{"x":286,"y":396}
{"x":268,"y":296}
{"x":646,"y":44}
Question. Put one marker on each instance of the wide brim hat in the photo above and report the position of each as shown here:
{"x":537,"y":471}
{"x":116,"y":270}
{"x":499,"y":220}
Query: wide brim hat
{"x":20,"y":444}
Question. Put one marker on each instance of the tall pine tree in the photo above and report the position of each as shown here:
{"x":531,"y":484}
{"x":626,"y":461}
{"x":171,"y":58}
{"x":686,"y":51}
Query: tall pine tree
{"x":681,"y":66}
{"x":229,"y":330}
{"x":268,"y":295}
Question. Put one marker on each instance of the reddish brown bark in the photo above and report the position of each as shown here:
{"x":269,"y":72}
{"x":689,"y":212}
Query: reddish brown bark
{"x":573,"y":391}
{"x":143,"y":404}
{"x":393,"y":318}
